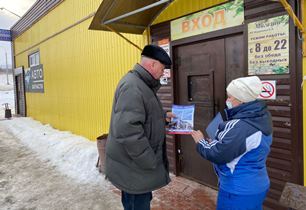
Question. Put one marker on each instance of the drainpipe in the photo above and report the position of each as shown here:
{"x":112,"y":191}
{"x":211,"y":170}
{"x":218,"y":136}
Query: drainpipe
{"x":296,"y":20}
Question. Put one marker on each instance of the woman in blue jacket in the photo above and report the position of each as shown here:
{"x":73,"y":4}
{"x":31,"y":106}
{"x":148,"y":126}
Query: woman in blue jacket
{"x":240,"y":147}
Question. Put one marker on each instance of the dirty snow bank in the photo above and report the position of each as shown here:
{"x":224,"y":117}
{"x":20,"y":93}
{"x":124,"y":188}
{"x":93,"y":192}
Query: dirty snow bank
{"x":72,"y":155}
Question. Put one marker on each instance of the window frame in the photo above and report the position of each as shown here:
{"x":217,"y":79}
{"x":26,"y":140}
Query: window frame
{"x":34,"y":59}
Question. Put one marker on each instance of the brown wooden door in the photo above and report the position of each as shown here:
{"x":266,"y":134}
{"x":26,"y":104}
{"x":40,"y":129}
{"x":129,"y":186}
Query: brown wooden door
{"x":200,"y":73}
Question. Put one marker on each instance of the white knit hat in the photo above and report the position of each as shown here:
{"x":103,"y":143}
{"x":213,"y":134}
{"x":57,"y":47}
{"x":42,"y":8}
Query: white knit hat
{"x":245,"y":89}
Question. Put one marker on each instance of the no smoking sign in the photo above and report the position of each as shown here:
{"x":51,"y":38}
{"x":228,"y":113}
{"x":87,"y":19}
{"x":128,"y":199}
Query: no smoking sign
{"x":268,"y":90}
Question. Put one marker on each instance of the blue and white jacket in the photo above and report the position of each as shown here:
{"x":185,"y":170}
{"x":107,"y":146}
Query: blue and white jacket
{"x":240,"y":149}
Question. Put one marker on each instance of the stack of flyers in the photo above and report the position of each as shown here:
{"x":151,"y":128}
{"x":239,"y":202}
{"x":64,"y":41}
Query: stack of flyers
{"x":183,"y":122}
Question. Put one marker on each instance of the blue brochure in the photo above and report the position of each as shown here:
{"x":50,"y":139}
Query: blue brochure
{"x":212,"y":127}
{"x":183,"y":122}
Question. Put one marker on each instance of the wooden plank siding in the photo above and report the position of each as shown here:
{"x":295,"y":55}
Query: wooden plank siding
{"x":165,"y":93}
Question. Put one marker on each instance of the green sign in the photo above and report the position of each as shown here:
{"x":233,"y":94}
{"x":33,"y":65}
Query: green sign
{"x":34,"y":79}
{"x":219,"y":17}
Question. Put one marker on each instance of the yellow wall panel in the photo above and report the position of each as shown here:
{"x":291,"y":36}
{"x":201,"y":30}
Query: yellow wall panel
{"x":180,"y":8}
{"x":304,"y":117}
{"x":81,"y":69}
{"x":304,"y":90}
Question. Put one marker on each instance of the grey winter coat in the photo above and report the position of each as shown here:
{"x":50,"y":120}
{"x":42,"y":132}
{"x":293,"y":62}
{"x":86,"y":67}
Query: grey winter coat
{"x":136,"y":160}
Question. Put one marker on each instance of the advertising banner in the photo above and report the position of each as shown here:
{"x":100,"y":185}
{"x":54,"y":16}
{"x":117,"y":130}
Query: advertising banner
{"x":34,"y":79}
{"x":220,"y":17}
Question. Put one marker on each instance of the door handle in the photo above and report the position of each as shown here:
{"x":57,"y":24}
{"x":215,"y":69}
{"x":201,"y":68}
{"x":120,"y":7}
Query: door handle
{"x":180,"y":156}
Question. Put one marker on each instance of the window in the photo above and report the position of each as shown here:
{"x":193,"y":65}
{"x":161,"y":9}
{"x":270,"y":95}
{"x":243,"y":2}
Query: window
{"x":34,"y":59}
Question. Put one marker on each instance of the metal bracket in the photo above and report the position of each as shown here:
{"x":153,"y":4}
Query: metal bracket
{"x":126,"y":39}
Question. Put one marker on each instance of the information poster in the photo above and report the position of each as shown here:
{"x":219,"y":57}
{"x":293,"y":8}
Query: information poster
{"x":268,"y":46}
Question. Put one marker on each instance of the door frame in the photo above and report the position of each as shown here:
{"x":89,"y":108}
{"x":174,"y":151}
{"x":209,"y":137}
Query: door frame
{"x":19,"y":71}
{"x":207,"y":65}
{"x":192,"y":40}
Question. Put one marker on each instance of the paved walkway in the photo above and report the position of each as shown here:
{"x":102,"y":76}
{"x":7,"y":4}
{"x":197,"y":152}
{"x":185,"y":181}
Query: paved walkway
{"x":183,"y":194}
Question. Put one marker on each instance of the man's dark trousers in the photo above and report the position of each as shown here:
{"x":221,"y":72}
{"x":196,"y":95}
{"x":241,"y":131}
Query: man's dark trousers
{"x":136,"y":201}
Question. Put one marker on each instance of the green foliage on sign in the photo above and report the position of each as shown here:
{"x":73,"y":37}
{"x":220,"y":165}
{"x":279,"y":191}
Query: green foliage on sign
{"x":283,"y":19}
{"x":281,"y":69}
{"x":236,"y":6}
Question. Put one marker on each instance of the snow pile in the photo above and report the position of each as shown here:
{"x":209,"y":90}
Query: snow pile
{"x":72,"y":155}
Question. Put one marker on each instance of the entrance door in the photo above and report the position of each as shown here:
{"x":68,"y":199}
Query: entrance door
{"x":201,"y":81}
{"x":20,"y":93}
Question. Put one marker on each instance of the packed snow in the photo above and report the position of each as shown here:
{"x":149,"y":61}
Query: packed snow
{"x":72,"y":155}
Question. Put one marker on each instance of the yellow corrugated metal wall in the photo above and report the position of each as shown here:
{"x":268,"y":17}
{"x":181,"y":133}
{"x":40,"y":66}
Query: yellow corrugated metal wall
{"x":180,"y":8}
{"x":304,"y":116}
{"x":83,"y":67}
{"x":304,"y":88}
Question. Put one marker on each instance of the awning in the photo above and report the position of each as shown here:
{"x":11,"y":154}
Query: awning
{"x":127,"y":16}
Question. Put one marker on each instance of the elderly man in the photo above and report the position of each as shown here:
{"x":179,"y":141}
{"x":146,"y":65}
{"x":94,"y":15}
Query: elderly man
{"x":240,"y":147}
{"x":136,"y":160}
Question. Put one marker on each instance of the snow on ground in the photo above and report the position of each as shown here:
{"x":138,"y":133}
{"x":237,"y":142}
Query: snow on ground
{"x":6,"y":94}
{"x":35,"y":180}
{"x":72,"y":155}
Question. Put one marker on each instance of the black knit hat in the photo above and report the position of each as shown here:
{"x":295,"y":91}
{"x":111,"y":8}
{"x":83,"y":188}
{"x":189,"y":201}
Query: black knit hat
{"x":157,"y":53}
